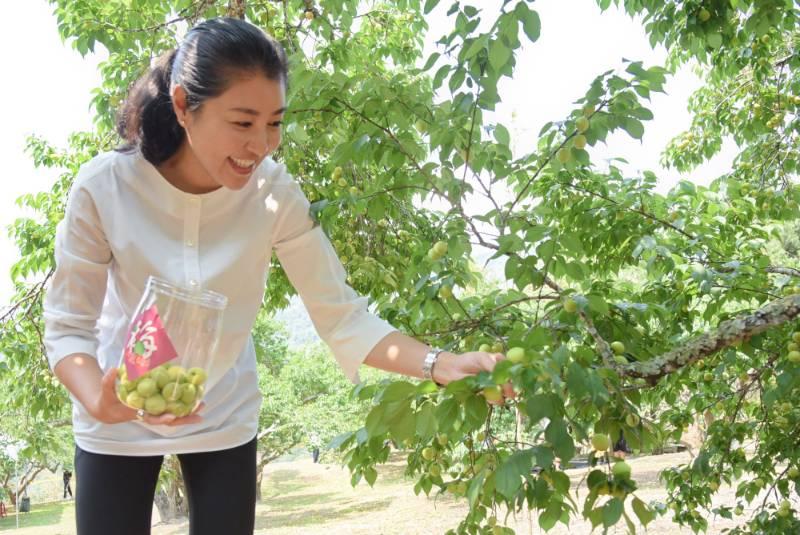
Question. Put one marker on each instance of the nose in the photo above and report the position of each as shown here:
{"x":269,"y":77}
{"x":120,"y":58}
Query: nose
{"x":259,"y":142}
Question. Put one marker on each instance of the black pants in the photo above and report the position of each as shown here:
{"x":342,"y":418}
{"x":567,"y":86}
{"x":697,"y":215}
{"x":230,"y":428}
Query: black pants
{"x":115,"y":494}
{"x":67,"y":489}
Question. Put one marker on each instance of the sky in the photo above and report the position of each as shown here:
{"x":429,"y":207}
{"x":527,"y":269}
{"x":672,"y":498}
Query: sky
{"x":48,"y":90}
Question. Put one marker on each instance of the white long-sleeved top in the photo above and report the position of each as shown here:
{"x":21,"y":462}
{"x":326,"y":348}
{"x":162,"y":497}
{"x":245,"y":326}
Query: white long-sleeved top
{"x":124,"y":222}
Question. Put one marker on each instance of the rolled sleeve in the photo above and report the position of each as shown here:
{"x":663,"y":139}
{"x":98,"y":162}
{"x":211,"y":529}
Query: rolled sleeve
{"x":74,"y":298}
{"x":340,"y":315}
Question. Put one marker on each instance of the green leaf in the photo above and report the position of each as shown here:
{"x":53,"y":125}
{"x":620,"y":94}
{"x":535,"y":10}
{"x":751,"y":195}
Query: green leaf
{"x":474,"y":489}
{"x":543,"y":406}
{"x":572,"y":242}
{"x":556,"y":433}
{"x":531,"y":24}
{"x":501,"y":135}
{"x":612,"y":511}
{"x":448,"y":415}
{"x":597,"y":304}
{"x":544,"y":456}
{"x":634,"y":127}
{"x":376,"y":423}
{"x":714,"y":39}
{"x":370,"y":474}
{"x":427,"y":386}
{"x":476,"y":46}
{"x":398,"y":390}
{"x":426,"y":422}
{"x":642,"y":512}
{"x":508,"y":477}
{"x":431,"y":61}
{"x":341,"y":440}
{"x":499,"y":54}
{"x":596,"y":477}
{"x":476,"y":411}
{"x":577,"y":380}
{"x":429,"y":5}
{"x":550,"y":515}
{"x":403,"y":425}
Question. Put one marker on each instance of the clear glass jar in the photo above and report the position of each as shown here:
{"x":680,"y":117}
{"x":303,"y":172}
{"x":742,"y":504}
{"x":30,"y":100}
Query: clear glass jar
{"x":169,"y":348}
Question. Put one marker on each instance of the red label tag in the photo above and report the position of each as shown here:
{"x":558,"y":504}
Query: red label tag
{"x":148,"y":345}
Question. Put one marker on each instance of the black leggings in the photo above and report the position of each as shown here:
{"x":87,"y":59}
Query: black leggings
{"x":114,"y":493}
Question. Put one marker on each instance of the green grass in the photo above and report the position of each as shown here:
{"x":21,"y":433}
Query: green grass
{"x":44,"y":514}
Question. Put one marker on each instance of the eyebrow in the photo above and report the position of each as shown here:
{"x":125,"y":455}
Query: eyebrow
{"x":251,"y":111}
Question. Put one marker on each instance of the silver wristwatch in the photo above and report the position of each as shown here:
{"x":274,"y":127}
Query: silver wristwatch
{"x":430,"y":361}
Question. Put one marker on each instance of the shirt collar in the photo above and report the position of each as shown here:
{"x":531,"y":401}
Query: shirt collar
{"x":162,"y":189}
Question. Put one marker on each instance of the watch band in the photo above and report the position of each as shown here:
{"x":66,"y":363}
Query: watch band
{"x":430,"y":361}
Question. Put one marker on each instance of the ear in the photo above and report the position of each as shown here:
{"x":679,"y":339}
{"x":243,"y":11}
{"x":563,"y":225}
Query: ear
{"x":179,"y":104}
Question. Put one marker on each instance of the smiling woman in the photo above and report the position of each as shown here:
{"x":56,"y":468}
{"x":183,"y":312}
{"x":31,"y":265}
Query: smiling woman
{"x":194,"y":199}
{"x":209,"y":111}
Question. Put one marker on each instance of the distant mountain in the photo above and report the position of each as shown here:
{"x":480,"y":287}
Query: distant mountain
{"x":295,"y":317}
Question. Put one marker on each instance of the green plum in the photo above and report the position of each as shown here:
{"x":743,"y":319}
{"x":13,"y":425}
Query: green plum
{"x":155,"y":404}
{"x":189,"y":393}
{"x":135,"y":400}
{"x":197,"y":376}
{"x":177,"y":373}
{"x":172,"y":391}
{"x":178,"y":408}
{"x":147,"y":387}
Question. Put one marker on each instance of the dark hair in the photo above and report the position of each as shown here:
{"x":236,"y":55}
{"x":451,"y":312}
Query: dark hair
{"x":212,"y":55}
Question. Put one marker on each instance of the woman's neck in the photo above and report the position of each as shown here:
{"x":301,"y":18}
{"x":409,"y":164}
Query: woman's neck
{"x":183,"y":170}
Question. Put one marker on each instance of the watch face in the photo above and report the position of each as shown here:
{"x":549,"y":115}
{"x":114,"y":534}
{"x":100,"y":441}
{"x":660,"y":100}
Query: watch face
{"x":430,"y":359}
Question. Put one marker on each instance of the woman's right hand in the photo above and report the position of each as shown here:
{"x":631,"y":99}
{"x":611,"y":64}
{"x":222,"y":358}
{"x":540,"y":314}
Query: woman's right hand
{"x":110,"y":410}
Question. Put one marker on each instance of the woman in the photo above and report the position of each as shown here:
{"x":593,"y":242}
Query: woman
{"x":194,"y":198}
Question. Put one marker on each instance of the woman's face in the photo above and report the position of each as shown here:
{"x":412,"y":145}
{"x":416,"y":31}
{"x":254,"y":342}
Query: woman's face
{"x":228,"y":136}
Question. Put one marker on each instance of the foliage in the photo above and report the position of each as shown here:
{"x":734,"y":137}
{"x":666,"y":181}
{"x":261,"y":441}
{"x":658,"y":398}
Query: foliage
{"x":375,"y":132}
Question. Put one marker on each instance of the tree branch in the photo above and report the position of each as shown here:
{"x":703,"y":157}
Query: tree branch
{"x":727,"y":334}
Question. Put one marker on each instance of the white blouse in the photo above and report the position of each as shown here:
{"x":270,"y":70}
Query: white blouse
{"x":124,"y":222}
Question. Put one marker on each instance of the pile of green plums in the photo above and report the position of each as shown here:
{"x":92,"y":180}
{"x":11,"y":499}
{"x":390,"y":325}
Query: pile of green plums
{"x":169,"y":388}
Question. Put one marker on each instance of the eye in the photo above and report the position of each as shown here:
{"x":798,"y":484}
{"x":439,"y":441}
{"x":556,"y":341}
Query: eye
{"x":276,"y":123}
{"x":243,"y":124}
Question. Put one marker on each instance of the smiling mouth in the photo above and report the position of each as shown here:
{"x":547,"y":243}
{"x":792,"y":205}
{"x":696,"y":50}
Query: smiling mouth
{"x":242,"y":166}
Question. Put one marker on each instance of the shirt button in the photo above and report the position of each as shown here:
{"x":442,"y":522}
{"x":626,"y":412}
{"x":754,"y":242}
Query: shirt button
{"x":192,"y":283}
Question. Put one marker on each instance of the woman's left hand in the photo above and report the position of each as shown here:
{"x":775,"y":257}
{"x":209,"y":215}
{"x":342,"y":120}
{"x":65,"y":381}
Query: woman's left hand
{"x":451,"y":367}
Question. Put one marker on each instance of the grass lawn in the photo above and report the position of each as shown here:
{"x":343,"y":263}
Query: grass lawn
{"x":302,"y":498}
{"x":55,"y":518}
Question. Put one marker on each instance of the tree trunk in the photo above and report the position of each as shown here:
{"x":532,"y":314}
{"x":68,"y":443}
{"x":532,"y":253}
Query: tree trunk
{"x":170,"y":499}
{"x":164,"y":506}
{"x":27,"y":478}
{"x":263,"y":461}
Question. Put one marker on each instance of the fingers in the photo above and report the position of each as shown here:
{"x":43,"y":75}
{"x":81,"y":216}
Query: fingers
{"x":163,"y":419}
{"x":172,"y":420}
{"x":488,"y":362}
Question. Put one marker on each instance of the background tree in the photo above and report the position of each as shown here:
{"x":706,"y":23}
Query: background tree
{"x":29,"y":448}
{"x":633,"y":310}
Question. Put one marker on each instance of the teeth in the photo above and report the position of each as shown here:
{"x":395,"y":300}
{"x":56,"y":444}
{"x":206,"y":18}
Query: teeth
{"x":243,"y":163}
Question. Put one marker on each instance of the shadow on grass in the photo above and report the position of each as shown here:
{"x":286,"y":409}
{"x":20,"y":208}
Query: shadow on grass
{"x":312,"y":516}
{"x":277,"y":501}
{"x":284,"y":482}
{"x":393,"y":472}
{"x":45,"y":514}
